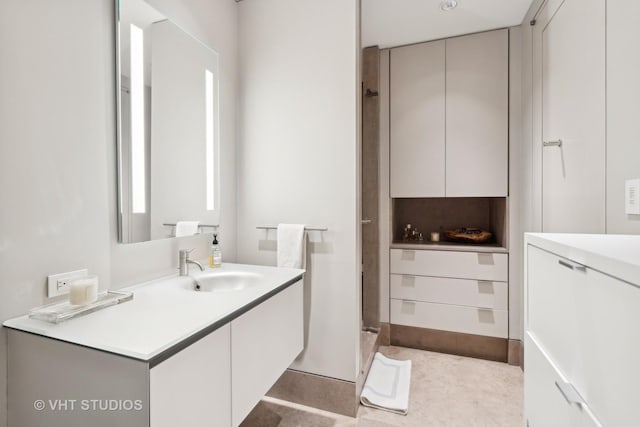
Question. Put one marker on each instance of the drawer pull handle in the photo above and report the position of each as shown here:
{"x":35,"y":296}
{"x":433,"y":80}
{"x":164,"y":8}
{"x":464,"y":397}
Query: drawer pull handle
{"x":572,"y":265}
{"x":570,"y":393}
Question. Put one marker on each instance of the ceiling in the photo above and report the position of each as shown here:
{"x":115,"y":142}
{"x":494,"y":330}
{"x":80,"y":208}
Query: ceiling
{"x":388,"y":23}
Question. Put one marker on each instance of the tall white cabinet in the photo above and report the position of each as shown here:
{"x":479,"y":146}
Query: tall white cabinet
{"x":449,"y":139}
{"x":449,"y":117}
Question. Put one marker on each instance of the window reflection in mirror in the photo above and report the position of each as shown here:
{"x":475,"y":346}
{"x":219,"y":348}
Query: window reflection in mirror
{"x":168,"y":126}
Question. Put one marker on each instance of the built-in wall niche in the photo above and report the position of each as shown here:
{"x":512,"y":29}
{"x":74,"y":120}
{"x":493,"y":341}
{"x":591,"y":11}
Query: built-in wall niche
{"x":441,"y":214}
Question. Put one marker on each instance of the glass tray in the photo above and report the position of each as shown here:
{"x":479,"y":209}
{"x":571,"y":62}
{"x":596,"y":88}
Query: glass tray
{"x":61,"y":311}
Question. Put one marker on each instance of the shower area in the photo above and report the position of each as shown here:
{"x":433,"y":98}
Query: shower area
{"x":372,"y":333}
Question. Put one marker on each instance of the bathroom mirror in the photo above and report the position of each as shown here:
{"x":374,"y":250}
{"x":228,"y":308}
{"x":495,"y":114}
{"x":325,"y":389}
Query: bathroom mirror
{"x":168,"y":127}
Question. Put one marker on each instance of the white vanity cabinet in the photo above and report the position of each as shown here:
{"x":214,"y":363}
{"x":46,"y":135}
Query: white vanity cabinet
{"x":464,"y":292}
{"x":212,"y":377}
{"x":581,"y":319}
{"x":449,"y":111}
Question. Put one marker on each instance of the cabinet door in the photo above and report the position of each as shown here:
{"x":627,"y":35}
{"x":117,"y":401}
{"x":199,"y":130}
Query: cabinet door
{"x":553,"y":288}
{"x":607,"y":311}
{"x":266,"y":339}
{"x":417,"y":120}
{"x":477,"y":115}
{"x":545,"y":404}
{"x":193,"y":387}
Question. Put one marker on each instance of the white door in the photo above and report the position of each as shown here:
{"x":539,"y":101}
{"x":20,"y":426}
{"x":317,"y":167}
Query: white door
{"x":569,"y":49}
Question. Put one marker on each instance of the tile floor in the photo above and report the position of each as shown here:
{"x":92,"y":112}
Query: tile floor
{"x":446,"y":391}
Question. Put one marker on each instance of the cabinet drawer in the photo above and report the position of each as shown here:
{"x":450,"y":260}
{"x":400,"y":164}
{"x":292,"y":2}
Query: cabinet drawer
{"x":545,"y":404}
{"x":472,"y":293}
{"x":455,"y":318}
{"x":552,"y":305}
{"x":266,"y":339}
{"x":461,"y":265}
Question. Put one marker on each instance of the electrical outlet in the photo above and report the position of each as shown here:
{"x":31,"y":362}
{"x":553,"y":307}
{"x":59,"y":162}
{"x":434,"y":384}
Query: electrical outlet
{"x":58,"y":284}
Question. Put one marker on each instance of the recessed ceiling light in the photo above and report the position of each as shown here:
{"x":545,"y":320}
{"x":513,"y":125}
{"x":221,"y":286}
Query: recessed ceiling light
{"x":448,"y":5}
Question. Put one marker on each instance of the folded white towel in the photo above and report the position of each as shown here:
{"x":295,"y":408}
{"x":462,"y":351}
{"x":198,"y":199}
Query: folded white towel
{"x":387,"y":385}
{"x":186,"y":228}
{"x":292,"y":245}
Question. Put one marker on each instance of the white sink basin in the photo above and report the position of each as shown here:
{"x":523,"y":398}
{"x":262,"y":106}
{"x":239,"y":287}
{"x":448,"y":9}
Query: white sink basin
{"x":224,"y":281}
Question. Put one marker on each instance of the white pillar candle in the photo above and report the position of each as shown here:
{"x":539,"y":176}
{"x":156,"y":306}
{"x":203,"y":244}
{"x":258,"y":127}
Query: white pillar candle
{"x":84,"y":290}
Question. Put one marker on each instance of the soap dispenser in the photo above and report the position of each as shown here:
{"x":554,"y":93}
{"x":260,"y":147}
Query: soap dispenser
{"x":215,"y":257}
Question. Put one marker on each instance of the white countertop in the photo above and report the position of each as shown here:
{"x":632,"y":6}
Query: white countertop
{"x":163,"y":313}
{"x":613,"y":254}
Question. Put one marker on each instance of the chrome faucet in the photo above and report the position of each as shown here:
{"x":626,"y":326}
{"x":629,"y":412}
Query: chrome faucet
{"x":185,"y":261}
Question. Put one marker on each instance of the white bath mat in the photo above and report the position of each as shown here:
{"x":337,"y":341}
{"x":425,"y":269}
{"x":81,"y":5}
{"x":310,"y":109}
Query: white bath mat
{"x":387,"y":385}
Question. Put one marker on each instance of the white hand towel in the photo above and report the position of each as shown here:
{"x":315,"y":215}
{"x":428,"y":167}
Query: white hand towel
{"x":292,"y":242}
{"x":186,"y":228}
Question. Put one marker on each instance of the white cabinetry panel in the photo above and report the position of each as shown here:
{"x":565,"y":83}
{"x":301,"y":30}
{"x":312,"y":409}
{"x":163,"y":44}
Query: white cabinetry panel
{"x":266,"y":339}
{"x":193,"y":387}
{"x":546,"y":406}
{"x":469,"y":320}
{"x":477,"y":115}
{"x":417,"y":123}
{"x":472,"y":293}
{"x":461,"y":265}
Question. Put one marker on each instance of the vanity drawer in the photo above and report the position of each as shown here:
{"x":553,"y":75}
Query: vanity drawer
{"x":455,"y":318}
{"x":461,"y":265}
{"x":546,"y":405}
{"x":472,"y":293}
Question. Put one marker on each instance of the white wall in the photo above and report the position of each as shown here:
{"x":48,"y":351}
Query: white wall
{"x":57,"y":148}
{"x":298,"y":159}
{"x":623,"y":110}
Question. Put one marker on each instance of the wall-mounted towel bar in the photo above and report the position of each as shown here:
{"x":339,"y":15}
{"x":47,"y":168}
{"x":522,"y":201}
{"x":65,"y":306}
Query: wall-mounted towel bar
{"x":274,"y":227}
{"x":199,"y":225}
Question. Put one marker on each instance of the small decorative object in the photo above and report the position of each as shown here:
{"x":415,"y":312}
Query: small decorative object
{"x":468,"y":235}
{"x":407,"y":232}
{"x":435,"y":236}
{"x":84,"y":290}
{"x":411,"y":234}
